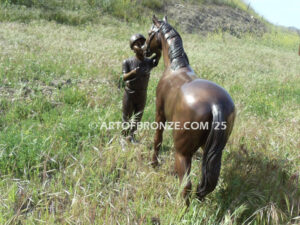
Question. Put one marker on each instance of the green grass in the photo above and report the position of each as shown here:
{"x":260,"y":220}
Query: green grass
{"x":58,"y":83}
{"x":78,"y":12}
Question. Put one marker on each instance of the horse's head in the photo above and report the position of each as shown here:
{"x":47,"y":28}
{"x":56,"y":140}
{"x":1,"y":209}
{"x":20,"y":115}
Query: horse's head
{"x":153,"y":42}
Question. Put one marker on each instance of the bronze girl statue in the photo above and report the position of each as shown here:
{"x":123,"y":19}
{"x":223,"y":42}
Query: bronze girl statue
{"x":136,"y":73}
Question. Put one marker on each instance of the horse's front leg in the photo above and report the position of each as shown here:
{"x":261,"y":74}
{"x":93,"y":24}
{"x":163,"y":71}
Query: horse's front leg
{"x":160,"y":120}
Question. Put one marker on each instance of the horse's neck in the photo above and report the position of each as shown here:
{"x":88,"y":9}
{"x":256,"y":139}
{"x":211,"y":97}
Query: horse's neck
{"x":178,"y":60}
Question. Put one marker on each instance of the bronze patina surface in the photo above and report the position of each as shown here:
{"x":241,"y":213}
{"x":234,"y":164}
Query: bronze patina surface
{"x":136,"y":73}
{"x":183,"y":97}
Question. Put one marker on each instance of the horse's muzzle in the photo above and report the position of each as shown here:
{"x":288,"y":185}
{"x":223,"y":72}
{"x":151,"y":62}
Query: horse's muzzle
{"x":146,"y":50}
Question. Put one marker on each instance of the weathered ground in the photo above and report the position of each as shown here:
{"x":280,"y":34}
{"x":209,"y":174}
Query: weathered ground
{"x":205,"y":19}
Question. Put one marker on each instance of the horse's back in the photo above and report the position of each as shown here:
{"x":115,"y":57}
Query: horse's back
{"x":188,"y":97}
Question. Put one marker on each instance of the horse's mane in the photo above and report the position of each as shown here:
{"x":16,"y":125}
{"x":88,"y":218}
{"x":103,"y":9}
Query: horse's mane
{"x":177,"y":54}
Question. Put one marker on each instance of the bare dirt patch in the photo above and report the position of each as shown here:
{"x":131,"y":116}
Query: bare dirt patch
{"x":213,"y":18}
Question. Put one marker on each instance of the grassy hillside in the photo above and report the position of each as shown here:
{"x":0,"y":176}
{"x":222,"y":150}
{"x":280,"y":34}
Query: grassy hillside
{"x":58,"y":83}
{"x":76,"y":12}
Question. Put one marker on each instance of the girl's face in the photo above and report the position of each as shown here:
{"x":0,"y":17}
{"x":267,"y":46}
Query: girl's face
{"x":137,"y":47}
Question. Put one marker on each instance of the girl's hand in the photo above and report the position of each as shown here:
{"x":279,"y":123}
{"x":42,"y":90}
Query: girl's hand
{"x":136,"y":69}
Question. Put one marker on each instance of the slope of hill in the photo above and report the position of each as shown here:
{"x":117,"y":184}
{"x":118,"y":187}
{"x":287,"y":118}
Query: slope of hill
{"x":58,"y":84}
{"x":215,"y":18}
{"x":205,"y":16}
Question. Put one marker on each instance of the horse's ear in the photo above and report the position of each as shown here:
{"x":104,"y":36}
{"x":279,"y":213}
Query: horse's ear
{"x":165,"y":19}
{"x":155,"y":21}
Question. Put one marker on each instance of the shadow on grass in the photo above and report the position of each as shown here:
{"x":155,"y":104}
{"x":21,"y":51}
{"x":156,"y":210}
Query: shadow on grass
{"x":262,"y":184}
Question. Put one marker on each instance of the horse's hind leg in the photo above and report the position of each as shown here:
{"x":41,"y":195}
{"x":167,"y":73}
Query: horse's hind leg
{"x":182,"y":168}
{"x":186,"y":144}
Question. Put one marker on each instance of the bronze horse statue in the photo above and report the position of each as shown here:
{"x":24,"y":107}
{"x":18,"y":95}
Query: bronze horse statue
{"x":184,"y":98}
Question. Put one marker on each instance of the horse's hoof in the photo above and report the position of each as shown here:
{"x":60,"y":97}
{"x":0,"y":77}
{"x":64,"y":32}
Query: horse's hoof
{"x":200,"y":198}
{"x":154,"y":164}
{"x":187,"y":202}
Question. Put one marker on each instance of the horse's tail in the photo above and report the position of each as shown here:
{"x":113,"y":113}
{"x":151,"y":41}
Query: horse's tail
{"x":211,"y":164}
